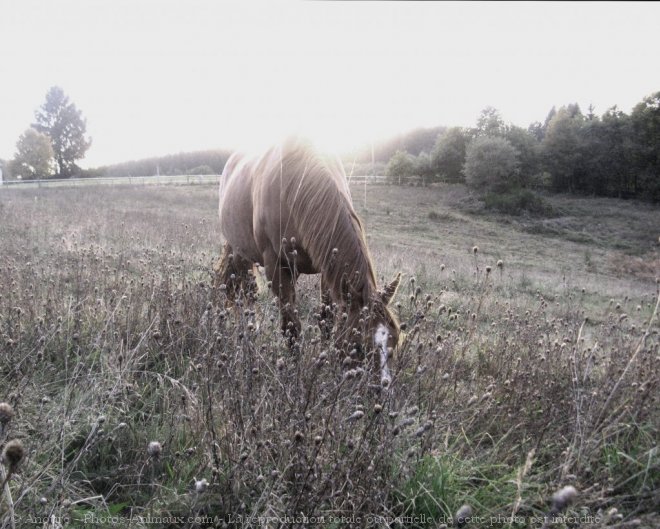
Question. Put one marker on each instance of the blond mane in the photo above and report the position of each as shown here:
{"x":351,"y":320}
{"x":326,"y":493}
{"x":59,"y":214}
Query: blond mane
{"x":318,"y":198}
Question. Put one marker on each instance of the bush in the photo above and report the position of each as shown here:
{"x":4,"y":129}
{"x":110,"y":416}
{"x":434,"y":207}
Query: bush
{"x":490,"y":163}
{"x":400,"y":167}
{"x":517,"y":202}
{"x":448,"y":155}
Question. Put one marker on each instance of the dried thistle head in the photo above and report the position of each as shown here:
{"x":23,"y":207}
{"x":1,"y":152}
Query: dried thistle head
{"x":201,"y":485}
{"x":563,"y":497}
{"x":6,"y":413}
{"x":462,"y":515}
{"x":13,"y":454}
{"x":154,"y":449}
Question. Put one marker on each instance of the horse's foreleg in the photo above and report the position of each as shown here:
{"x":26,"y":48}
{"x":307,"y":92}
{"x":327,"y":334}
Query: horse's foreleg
{"x":326,"y":313}
{"x":221,"y":271}
{"x":232,"y":273}
{"x":283,"y":285}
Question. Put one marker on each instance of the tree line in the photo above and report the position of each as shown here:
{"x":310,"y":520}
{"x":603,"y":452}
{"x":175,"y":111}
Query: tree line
{"x":616,"y":154}
{"x":210,"y":161}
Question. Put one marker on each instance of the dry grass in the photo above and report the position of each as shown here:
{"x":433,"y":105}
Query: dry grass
{"x":512,"y":381}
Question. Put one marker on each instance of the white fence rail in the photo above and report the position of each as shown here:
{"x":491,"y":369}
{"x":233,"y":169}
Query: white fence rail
{"x":114,"y":181}
{"x":144,"y":180}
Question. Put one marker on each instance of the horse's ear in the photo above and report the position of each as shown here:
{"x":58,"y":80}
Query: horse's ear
{"x":390,"y":289}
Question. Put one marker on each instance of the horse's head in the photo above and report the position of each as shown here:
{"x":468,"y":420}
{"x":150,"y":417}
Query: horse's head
{"x":384,"y":329}
{"x":373,"y":328}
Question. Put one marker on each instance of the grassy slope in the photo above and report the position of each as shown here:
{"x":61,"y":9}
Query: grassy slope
{"x":494,"y":363}
{"x":587,"y":240}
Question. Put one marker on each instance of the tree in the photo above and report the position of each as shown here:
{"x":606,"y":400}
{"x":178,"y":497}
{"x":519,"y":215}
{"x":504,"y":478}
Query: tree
{"x":551,"y":114}
{"x":574,"y":111}
{"x":34,"y":157}
{"x":448,"y":155}
{"x":491,"y":163}
{"x":525,"y":143}
{"x":591,"y":115}
{"x":562,"y":150}
{"x":64,"y":124}
{"x":606,"y":151}
{"x":490,"y":123}
{"x":424,"y":168}
{"x":645,"y":122}
{"x":401,"y":165}
{"x":537,"y":130}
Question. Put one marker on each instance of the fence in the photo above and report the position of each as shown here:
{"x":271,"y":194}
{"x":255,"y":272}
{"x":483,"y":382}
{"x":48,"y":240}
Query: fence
{"x":114,"y":180}
{"x":145,"y":180}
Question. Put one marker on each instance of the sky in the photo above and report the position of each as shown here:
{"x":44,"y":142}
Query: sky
{"x":163,"y":76}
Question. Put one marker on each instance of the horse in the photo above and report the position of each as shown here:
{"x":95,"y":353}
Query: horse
{"x":290,"y":210}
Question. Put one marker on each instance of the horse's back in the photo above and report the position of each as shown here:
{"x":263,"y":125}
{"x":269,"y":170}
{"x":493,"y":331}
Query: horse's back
{"x":278,"y":195}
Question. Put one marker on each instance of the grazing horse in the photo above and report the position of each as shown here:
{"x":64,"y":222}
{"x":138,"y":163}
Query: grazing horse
{"x":290,"y":209}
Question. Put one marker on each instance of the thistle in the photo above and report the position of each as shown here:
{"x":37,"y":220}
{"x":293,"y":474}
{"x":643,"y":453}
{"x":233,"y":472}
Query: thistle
{"x":12,"y":455}
{"x":560,"y":500}
{"x":6,"y":413}
{"x":462,"y":515}
{"x":201,"y":486}
{"x":154,"y":449}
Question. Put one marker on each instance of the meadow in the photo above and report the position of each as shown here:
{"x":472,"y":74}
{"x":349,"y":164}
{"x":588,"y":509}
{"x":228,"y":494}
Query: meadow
{"x":531,"y":362}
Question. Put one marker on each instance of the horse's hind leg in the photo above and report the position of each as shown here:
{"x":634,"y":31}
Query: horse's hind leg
{"x":232,"y":274}
{"x":284,"y":287}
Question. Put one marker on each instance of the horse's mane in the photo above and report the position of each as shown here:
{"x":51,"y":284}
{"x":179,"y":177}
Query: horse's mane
{"x":315,"y":189}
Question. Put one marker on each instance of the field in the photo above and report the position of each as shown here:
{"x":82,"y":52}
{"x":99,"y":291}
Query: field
{"x":531,"y":362}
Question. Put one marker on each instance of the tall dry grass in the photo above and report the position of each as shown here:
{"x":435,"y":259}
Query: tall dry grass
{"x":140,"y":397}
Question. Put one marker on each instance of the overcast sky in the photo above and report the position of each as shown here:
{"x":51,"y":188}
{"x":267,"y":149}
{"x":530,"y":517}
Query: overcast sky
{"x":163,"y":76}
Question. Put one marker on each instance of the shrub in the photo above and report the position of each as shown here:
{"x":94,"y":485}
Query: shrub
{"x":400,"y":167}
{"x":491,"y":163}
{"x":517,"y":202}
{"x":448,"y":155}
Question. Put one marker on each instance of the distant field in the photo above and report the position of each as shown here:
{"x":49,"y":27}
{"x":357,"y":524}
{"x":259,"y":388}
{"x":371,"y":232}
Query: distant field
{"x":531,"y":362}
{"x":608,"y":247}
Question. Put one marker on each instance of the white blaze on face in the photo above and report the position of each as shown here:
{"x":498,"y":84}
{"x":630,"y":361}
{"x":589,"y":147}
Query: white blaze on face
{"x":380,"y":341}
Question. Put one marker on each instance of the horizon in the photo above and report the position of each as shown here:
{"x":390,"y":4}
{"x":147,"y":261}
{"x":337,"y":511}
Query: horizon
{"x":159,"y":78}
